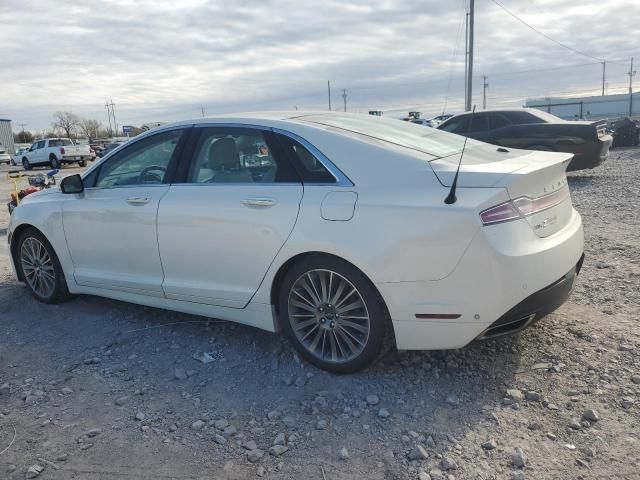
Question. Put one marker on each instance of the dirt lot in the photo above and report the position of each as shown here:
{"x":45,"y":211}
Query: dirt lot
{"x":99,"y":389}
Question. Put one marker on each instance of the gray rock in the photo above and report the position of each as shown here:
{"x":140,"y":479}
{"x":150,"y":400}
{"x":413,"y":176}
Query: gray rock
{"x":197,"y":425}
{"x":515,"y":394}
{"x":120,"y":401}
{"x":518,"y":458}
{"x":139,"y":416}
{"x":448,"y":463}
{"x":321,"y":425}
{"x":289,"y":421}
{"x":280,"y":439}
{"x":180,"y":374}
{"x":93,"y":432}
{"x":261,"y":472}
{"x":249,"y":445}
{"x":254,"y":455}
{"x":273,"y":415}
{"x":532,"y":396}
{"x":277,"y":450}
{"x":383,"y":413}
{"x":424,"y":476}
{"x":34,"y":470}
{"x":418,"y":453}
{"x":230,"y":431}
{"x":574,"y":424}
{"x":436,"y":474}
{"x":490,"y":445}
{"x":5,"y":389}
{"x":372,"y":399}
{"x":11,"y":468}
{"x":300,"y":382}
{"x":430,"y":442}
{"x":219,"y":439}
{"x":66,"y":391}
{"x":636,"y":379}
{"x":625,"y":347}
{"x":221,"y":424}
{"x":517,"y":476}
{"x":92,"y":361}
{"x":591,"y":415}
{"x":453,"y":400}
{"x":344,"y":454}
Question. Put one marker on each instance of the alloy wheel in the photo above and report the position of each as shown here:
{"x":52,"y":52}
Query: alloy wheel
{"x":37,"y":267}
{"x":329,"y":316}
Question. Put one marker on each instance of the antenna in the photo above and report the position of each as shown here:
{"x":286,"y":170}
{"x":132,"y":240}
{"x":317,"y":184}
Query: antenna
{"x":451,"y":198}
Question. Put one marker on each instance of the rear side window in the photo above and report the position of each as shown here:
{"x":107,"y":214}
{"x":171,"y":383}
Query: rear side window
{"x":497,"y":120}
{"x":239,"y":155}
{"x":310,"y":169}
{"x":521,"y":118}
{"x":456,"y":125}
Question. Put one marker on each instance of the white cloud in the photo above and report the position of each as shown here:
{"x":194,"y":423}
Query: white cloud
{"x":164,"y":60}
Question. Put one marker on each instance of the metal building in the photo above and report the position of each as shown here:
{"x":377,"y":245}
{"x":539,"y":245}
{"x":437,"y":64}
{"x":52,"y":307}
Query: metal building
{"x":590,"y":108}
{"x":6,"y":136}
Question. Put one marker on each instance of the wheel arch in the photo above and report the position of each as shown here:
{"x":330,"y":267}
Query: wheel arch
{"x":278,"y":279}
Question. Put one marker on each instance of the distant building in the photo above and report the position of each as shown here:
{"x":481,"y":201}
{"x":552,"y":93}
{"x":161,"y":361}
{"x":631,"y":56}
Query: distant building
{"x":6,"y":136}
{"x":590,"y":108}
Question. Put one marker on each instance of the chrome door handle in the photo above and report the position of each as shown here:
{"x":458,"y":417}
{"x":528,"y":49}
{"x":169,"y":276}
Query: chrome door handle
{"x":258,"y":202}
{"x":138,"y":200}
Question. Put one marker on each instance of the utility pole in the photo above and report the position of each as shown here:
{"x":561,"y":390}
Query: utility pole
{"x":470,"y":60}
{"x":604,"y":67}
{"x":106,"y":105}
{"x":113,"y":112}
{"x":344,"y":98}
{"x":466,"y":55}
{"x":329,"y":93}
{"x":632,"y":72}
{"x":202,"y":112}
{"x":485,"y":85}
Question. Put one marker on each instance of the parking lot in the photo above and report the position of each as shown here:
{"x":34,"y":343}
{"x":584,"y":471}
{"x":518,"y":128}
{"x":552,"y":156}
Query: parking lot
{"x":100,"y":389}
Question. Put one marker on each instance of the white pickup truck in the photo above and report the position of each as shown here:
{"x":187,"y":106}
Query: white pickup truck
{"x":55,"y":152}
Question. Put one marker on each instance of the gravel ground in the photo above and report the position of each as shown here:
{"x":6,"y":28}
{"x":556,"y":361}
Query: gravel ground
{"x":99,"y":389}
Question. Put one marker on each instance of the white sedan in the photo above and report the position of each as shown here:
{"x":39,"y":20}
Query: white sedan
{"x":332,"y":228}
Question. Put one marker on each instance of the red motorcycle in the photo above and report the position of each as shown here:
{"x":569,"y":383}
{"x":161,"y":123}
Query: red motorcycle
{"x":36,"y":183}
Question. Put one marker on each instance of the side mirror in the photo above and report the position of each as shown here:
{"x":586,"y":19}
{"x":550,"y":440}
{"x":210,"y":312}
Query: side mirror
{"x":72,"y":184}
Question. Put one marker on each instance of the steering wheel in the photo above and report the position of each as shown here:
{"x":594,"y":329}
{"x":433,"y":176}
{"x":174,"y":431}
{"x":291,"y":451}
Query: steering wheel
{"x":150,"y":175}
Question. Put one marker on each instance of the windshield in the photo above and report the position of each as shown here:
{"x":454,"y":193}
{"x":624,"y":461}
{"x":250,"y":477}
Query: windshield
{"x":434,"y":142}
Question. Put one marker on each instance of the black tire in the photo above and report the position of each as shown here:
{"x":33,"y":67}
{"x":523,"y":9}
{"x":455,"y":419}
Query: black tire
{"x":379,"y":324}
{"x":82,"y":163}
{"x":59,"y":292}
{"x":25,"y":164}
{"x":54,"y":162}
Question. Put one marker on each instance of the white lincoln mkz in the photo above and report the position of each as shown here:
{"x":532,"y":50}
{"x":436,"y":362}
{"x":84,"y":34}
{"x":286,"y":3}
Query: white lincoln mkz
{"x":330,"y":227}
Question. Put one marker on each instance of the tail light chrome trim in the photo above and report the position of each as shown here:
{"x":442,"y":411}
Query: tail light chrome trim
{"x":522,"y":207}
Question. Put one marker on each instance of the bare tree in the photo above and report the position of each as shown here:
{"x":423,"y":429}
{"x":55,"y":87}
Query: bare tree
{"x":90,"y":128}
{"x":65,"y":121}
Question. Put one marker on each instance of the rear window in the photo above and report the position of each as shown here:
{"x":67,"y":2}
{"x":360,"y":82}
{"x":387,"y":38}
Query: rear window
{"x":428,"y":140}
{"x":62,"y":142}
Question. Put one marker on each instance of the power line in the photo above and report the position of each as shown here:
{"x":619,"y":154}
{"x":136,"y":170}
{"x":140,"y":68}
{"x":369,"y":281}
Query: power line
{"x":563,"y":45}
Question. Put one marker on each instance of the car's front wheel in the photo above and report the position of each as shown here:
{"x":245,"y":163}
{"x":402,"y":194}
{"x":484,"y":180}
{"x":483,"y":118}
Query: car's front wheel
{"x":40,"y":268}
{"x":25,"y":164}
{"x":333,"y":314}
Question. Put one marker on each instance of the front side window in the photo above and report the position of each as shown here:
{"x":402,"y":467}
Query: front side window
{"x":40,"y":144}
{"x":479,"y":123}
{"x":142,"y":163}
{"x":238,"y":155}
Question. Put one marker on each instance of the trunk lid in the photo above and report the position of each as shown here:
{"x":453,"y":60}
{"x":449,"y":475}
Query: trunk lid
{"x":523,"y":173}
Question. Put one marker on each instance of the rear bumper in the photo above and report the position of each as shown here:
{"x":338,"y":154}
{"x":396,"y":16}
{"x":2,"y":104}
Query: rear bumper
{"x":504,"y":265}
{"x":592,"y":156}
{"x":534,"y":307}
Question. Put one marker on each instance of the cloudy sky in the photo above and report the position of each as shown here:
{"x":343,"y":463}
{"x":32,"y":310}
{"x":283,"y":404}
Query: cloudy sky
{"x":167,"y":60}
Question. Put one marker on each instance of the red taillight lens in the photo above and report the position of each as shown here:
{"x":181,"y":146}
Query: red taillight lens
{"x":62,"y":150}
{"x":500,"y":213}
{"x":522,"y":207}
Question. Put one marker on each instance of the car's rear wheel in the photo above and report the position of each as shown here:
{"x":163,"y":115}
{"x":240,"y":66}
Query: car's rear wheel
{"x":25,"y":164}
{"x":333,"y":314}
{"x":82,"y":163}
{"x":40,"y":268}
{"x":54,"y":162}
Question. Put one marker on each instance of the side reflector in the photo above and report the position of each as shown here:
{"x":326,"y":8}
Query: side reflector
{"x":438,"y":316}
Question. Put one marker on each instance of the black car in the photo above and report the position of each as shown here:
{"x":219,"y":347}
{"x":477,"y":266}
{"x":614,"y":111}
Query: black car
{"x":108,"y":148}
{"x":533,"y":129}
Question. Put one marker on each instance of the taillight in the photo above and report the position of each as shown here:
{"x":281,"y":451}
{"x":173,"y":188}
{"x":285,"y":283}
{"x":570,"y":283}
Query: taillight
{"x":62,"y":150}
{"x":522,"y":207}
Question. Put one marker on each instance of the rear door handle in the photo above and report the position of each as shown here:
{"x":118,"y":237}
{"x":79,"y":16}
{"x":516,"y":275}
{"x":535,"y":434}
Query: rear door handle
{"x":138,"y":200}
{"x":258,"y":202}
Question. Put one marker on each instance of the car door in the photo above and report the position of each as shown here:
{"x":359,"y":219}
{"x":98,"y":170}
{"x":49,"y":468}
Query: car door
{"x":36,"y":156}
{"x":222,"y":226}
{"x":110,"y":228}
